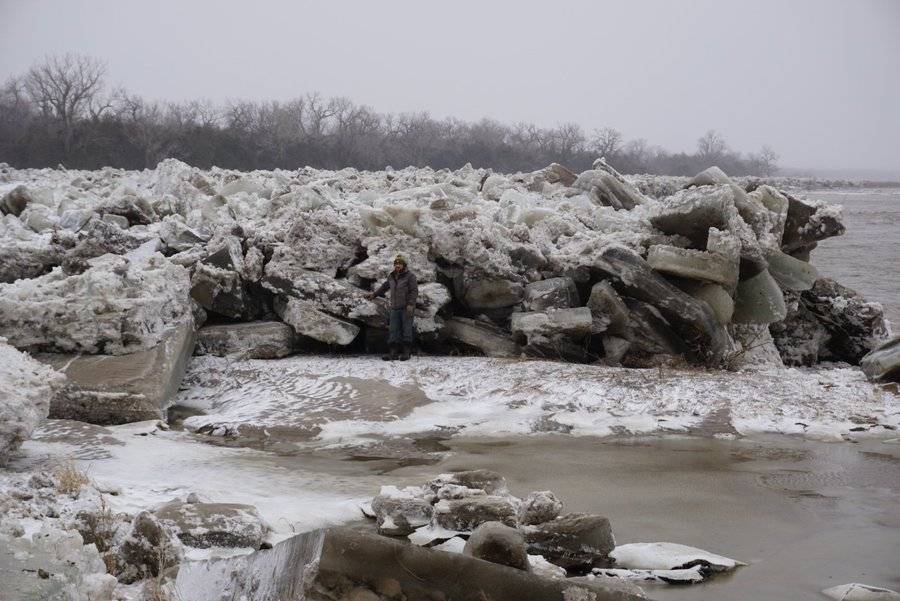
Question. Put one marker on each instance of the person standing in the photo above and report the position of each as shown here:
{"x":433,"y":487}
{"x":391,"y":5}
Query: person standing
{"x":404,"y":289}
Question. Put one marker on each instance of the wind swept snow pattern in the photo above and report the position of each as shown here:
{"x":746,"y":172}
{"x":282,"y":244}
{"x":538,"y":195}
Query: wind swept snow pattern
{"x":352,"y":400}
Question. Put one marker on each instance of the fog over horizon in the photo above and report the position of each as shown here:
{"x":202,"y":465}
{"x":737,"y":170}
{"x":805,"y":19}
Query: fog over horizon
{"x":815,"y":80}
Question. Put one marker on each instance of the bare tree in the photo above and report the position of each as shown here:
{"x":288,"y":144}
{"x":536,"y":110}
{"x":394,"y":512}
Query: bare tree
{"x":636,"y":156}
{"x":318,"y":114}
{"x":65,"y":87}
{"x":768,"y":161}
{"x":569,"y":140}
{"x":202,"y":113}
{"x":711,"y":147}
{"x":607,"y":142}
{"x":526,"y":136}
{"x":13,"y":103}
{"x":153,"y":128}
{"x":60,"y":110}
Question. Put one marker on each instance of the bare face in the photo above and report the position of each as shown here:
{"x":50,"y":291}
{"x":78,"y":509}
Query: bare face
{"x":398,"y":267}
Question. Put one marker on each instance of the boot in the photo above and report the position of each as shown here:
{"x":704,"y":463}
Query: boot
{"x":393,"y":352}
{"x":407,"y":351}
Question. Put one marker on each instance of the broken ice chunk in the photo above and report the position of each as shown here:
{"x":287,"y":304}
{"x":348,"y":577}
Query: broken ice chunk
{"x":855,"y":326}
{"x":539,"y":507}
{"x":669,"y":556}
{"x":808,"y":222}
{"x":538,"y":328}
{"x":791,"y":273}
{"x":545,"y":569}
{"x":400,"y":511}
{"x":757,"y":348}
{"x":716,"y":297}
{"x":490,"y":339}
{"x":607,"y":188}
{"x":690,"y":213}
{"x":608,"y":309}
{"x":552,"y":293}
{"x":453,"y":545}
{"x":493,"y":294}
{"x":468,"y":513}
{"x":777,"y":205}
{"x":709,"y":177}
{"x":759,"y":300}
{"x":650,"y":333}
{"x":309,"y":321}
{"x":884,"y":362}
{"x":723,"y":243}
{"x":693,"y":264}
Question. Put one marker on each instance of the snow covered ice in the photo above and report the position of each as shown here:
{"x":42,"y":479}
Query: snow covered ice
{"x":25,"y":390}
{"x":477,"y":396}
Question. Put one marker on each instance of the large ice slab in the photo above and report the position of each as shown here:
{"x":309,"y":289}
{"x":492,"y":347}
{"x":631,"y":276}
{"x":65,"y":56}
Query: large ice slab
{"x":691,"y":213}
{"x":759,"y":300}
{"x":307,"y":320}
{"x":55,"y":565}
{"x":716,"y":297}
{"x":693,"y":264}
{"x":883,"y":363}
{"x":116,"y":389}
{"x":791,"y":273}
{"x":489,"y":339}
{"x":324,"y":560}
{"x":537,"y":327}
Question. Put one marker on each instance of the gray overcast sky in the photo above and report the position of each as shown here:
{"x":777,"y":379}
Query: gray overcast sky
{"x":819,"y":80}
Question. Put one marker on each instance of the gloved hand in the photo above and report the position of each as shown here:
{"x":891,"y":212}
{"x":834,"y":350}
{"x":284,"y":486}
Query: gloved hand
{"x":410,"y":309}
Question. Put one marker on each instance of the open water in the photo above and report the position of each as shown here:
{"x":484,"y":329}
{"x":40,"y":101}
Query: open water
{"x":867,"y":257}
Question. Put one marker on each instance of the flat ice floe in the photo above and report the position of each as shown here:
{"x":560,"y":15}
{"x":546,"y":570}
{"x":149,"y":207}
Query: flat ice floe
{"x":355,"y":400}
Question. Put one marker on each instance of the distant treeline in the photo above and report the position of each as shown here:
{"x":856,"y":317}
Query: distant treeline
{"x":62,"y":111}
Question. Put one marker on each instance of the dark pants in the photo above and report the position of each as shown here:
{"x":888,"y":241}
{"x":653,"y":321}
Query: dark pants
{"x":401,"y":327}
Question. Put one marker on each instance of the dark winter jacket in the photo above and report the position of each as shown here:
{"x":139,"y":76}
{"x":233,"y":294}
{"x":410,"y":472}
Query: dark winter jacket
{"x":404,"y":289}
